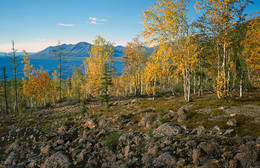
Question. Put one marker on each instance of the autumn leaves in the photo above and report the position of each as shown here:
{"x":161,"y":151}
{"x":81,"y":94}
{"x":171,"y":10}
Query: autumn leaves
{"x":209,"y":54}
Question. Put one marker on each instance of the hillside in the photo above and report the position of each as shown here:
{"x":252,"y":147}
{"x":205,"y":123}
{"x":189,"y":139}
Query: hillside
{"x":143,"y":132}
{"x":79,"y":50}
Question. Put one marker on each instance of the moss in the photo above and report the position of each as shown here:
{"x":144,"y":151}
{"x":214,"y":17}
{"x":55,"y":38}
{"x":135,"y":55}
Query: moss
{"x":216,"y":112}
{"x":245,"y":126}
{"x":194,"y":117}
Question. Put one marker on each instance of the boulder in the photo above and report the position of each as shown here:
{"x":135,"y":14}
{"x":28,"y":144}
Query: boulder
{"x":167,"y":129}
{"x":248,"y":154}
{"x":233,"y":163}
{"x":164,"y":160}
{"x":11,"y":160}
{"x":58,"y":159}
{"x":182,"y":114}
{"x":199,"y":156}
{"x":145,"y":121}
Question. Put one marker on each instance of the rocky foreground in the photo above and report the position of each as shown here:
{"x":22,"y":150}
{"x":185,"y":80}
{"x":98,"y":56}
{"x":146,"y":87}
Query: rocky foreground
{"x":133,"y":133}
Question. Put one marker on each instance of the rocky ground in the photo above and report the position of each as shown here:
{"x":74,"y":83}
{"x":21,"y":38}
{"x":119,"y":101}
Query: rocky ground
{"x":144,"y":132}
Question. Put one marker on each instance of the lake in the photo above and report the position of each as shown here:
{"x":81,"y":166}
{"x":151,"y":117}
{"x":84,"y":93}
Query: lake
{"x":50,"y":65}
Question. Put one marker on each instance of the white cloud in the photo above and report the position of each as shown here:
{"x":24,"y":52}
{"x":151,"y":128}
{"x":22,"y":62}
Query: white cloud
{"x":96,"y":21}
{"x":66,"y":25}
{"x":103,"y":20}
{"x":92,"y":18}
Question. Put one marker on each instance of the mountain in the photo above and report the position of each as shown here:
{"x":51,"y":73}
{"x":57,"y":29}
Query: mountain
{"x":17,"y":53}
{"x":80,"y":50}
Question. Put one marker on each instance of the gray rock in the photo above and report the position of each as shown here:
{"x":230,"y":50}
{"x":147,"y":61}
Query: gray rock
{"x":167,"y":129}
{"x":58,"y":159}
{"x":232,"y":122}
{"x":124,"y":139}
{"x":11,"y":160}
{"x":233,"y":163}
{"x":145,"y":122}
{"x":248,"y":155}
{"x":46,"y":149}
{"x":165,"y":159}
{"x":182,"y":114}
{"x":228,"y":132}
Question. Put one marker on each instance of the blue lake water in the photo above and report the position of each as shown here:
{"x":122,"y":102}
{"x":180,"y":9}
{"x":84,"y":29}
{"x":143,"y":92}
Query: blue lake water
{"x":49,"y":65}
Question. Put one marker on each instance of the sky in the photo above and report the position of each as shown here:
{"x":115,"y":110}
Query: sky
{"x":36,"y":24}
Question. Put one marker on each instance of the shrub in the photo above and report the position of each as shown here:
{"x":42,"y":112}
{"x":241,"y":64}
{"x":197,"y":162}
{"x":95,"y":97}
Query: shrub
{"x":150,"y":133}
{"x":112,"y":140}
{"x":83,"y":109}
{"x":161,"y":119}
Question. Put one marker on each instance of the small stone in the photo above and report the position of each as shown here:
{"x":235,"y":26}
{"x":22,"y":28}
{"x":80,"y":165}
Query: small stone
{"x":89,"y":124}
{"x":201,"y":130}
{"x":233,"y":163}
{"x":228,"y":132}
{"x":232,"y":115}
{"x":232,"y":122}
{"x":217,"y":128}
{"x":46,"y":149}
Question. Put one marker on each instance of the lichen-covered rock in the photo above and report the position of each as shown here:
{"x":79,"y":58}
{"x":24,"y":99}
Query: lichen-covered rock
{"x":165,"y":159}
{"x":167,"y":129}
{"x":182,"y":114}
{"x":248,"y":154}
{"x":58,"y":159}
{"x":145,"y":121}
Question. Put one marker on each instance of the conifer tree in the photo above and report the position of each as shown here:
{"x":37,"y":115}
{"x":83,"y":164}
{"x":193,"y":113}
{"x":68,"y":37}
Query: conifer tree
{"x":106,"y":82}
{"x":15,"y":60}
{"x":4,"y":83}
{"x":60,"y":58}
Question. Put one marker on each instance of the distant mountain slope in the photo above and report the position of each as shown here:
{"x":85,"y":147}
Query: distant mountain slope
{"x":17,"y":53}
{"x":79,"y":50}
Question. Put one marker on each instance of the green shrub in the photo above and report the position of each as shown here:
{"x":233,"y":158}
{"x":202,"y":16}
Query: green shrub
{"x":162,"y":113}
{"x":112,"y":140}
{"x":83,"y":109}
{"x":150,"y":133}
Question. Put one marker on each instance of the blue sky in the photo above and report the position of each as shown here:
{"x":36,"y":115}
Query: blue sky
{"x":37,"y":24}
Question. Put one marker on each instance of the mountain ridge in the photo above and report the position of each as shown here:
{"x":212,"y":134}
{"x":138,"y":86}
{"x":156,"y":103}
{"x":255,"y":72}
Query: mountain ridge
{"x":79,"y":50}
{"x":75,"y":51}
